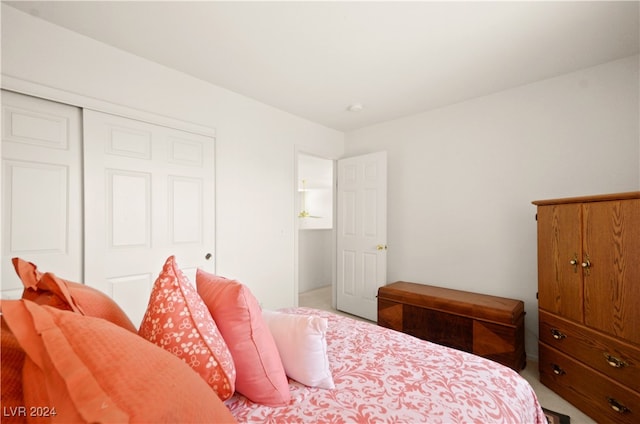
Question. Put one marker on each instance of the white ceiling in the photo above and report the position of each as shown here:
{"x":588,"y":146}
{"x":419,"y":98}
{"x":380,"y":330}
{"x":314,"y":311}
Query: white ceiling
{"x":313,"y":59}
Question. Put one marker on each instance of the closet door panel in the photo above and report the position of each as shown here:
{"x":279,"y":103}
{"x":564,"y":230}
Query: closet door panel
{"x":32,"y":227}
{"x":41,"y":188}
{"x":150,"y":192}
{"x":129,"y":208}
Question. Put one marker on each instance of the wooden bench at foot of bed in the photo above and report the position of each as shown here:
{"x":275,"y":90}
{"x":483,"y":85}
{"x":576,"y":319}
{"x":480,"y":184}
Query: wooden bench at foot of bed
{"x":488,"y":326}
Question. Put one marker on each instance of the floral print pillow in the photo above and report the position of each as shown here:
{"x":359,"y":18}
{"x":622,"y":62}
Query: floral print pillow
{"x":178,"y":321}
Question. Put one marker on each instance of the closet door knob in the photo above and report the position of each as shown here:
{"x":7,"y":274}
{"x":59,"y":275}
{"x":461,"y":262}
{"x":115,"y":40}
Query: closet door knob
{"x":208,"y":256}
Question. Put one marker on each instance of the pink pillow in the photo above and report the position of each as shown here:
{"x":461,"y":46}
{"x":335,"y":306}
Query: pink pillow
{"x":261,"y":376}
{"x":302,"y":344}
{"x":178,"y":321}
{"x":86,"y":369}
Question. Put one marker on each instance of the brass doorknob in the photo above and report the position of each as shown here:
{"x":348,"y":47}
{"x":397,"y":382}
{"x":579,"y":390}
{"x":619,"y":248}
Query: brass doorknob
{"x":381,"y":247}
{"x":574,"y":262}
{"x":586,"y":265}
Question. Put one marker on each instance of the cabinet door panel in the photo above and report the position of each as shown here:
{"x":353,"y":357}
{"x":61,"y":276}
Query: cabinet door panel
{"x":560,"y":287}
{"x":612,"y":282}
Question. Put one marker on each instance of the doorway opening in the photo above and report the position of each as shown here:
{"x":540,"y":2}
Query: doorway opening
{"x":314,"y":194}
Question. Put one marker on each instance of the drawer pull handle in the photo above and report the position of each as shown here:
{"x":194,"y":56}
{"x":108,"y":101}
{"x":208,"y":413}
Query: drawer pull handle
{"x":617,"y":406}
{"x":557,"y":370}
{"x":557,"y":334}
{"x":615,"y":362}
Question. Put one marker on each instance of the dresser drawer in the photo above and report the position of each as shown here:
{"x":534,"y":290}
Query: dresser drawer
{"x":617,"y":360}
{"x":596,"y":395}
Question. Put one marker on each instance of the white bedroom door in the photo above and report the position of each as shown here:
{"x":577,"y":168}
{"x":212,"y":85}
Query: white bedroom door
{"x":41,"y":188}
{"x":362,"y":233}
{"x":149,"y":194}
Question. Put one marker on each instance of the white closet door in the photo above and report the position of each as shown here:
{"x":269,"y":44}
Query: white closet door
{"x":149,"y":194}
{"x":41,"y":188}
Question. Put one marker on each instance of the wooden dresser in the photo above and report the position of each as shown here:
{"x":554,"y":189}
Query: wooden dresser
{"x":589,"y":303}
{"x":489,"y":326}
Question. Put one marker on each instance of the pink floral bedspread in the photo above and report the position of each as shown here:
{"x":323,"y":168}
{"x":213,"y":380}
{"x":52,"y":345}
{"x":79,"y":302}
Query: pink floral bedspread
{"x":384,"y":376}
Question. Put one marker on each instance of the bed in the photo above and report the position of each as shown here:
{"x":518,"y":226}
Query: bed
{"x":70,"y":354}
{"x":385,"y":376}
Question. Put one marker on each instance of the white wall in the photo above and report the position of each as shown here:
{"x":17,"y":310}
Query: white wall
{"x":462,"y":178}
{"x":316,"y":259}
{"x":255,"y":143}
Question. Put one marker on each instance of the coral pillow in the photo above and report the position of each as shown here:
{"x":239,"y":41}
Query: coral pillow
{"x":260,"y":374}
{"x":47,"y":289}
{"x":91,"y":370}
{"x":178,"y":321}
{"x":302,"y":344}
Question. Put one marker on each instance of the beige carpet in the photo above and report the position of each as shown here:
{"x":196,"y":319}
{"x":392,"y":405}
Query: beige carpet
{"x":321,"y":299}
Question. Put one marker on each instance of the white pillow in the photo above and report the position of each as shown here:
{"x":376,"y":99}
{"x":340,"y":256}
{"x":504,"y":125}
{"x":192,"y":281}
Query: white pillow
{"x":302,"y":346}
